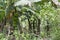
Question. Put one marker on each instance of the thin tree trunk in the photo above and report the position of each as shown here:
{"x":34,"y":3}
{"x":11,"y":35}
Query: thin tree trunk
{"x":34,"y":26}
{"x":2,"y":24}
{"x":30,"y":26}
{"x":19,"y":26}
{"x":38,"y":26}
{"x":47,"y":29}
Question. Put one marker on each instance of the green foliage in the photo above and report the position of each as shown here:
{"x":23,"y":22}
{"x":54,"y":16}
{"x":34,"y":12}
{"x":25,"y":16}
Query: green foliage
{"x":45,"y":12}
{"x":59,"y":0}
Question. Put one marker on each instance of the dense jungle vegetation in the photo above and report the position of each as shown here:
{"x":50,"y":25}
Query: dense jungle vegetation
{"x":29,"y":19}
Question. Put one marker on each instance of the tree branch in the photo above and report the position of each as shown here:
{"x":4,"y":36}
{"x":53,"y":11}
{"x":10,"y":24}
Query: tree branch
{"x":56,"y":2}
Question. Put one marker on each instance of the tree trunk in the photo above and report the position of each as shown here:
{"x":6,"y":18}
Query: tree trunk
{"x":34,"y":26}
{"x":30,"y":25}
{"x":38,"y":26}
{"x":47,"y":29}
{"x":19,"y":26}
